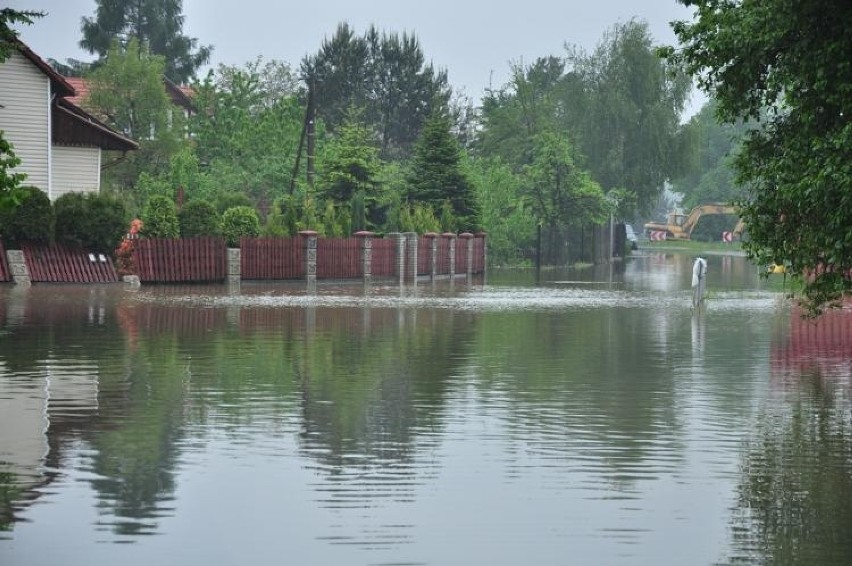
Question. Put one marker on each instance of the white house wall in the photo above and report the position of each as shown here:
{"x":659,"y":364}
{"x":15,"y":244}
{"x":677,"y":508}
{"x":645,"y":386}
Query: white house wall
{"x":75,"y":169}
{"x":25,"y":117}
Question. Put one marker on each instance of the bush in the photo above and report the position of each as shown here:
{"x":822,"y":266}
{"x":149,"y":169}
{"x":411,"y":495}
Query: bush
{"x":92,"y":221}
{"x":199,"y":218}
{"x":238,"y":222}
{"x":70,"y":210}
{"x":106,"y":224}
{"x":32,"y":220}
{"x":160,"y":218}
{"x":232,"y":200}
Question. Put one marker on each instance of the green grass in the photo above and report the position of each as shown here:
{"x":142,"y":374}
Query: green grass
{"x":692,"y":246}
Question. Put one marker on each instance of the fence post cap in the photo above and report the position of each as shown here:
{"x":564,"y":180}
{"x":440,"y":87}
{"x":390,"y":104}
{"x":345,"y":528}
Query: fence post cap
{"x":307,"y":233}
{"x":430,"y":235}
{"x":466,"y":235}
{"x":364,"y":234}
{"x":448,"y":235}
{"x":481,"y":234}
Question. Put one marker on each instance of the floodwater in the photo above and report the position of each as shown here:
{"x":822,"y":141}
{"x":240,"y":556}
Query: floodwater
{"x":578,"y":417}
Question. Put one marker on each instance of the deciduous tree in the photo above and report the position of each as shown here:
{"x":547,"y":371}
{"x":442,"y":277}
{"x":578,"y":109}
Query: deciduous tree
{"x":784,"y":64}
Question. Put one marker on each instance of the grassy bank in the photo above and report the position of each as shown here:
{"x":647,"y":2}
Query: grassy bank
{"x":694,"y":247}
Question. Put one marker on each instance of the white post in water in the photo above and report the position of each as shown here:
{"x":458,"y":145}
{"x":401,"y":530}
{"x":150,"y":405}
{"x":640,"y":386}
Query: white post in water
{"x":699,"y":281}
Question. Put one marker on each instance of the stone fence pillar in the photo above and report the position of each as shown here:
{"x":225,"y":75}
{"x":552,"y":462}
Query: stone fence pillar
{"x":18,"y":267}
{"x":309,"y":237}
{"x":234,"y":266}
{"x":399,"y":257}
{"x":432,"y":239}
{"x":366,"y":252}
{"x":451,"y":251}
{"x":411,"y":240}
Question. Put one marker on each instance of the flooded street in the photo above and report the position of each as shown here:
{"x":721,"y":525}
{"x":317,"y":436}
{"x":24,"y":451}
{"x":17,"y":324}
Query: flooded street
{"x":589,"y":417}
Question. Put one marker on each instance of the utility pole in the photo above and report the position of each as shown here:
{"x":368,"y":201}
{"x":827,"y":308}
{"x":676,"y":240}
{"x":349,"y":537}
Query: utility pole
{"x":308,"y":130}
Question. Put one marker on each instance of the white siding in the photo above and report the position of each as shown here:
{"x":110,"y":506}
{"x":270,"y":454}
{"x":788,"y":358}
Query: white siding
{"x":25,"y":117}
{"x":75,"y":169}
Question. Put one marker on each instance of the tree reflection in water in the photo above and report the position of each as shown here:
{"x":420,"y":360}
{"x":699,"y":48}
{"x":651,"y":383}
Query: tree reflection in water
{"x":794,"y":501}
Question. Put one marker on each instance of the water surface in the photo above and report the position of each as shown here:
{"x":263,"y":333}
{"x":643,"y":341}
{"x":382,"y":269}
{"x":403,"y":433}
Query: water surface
{"x":577,"y":417}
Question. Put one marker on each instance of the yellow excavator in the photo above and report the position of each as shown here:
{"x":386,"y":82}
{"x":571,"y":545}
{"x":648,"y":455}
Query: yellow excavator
{"x":679,"y":226}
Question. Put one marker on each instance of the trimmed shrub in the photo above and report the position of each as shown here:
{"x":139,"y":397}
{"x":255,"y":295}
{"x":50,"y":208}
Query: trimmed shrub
{"x":32,"y":220}
{"x":232,"y":200}
{"x":238,"y":222}
{"x":106,"y":224}
{"x":160,"y":218}
{"x":91,"y":221}
{"x":199,"y":218}
{"x":70,"y":210}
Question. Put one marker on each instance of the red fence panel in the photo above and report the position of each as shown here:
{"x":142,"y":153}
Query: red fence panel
{"x":461,"y":255}
{"x":383,"y":258}
{"x":479,"y":254}
{"x":179,"y":261}
{"x":424,"y":256}
{"x":443,"y":263}
{"x":272,"y":258}
{"x":339,"y":258}
{"x":5,"y":272}
{"x":61,"y":264}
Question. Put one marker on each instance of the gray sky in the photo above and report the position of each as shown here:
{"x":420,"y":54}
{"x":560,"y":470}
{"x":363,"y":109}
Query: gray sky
{"x":474,"y":40}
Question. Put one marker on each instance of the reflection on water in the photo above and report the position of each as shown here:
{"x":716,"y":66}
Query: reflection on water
{"x":593,"y":415}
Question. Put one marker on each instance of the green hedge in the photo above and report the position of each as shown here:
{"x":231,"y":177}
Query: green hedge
{"x":32,"y":220}
{"x":199,"y":218}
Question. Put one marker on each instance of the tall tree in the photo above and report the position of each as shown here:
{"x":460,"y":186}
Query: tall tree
{"x":561,"y":193}
{"x":127,"y":91}
{"x":248,"y":135}
{"x":790,"y":57}
{"x":384,"y":75}
{"x":711,"y":177}
{"x":630,"y":112}
{"x":155,"y":23}
{"x":523,"y":109}
{"x":437,"y":176}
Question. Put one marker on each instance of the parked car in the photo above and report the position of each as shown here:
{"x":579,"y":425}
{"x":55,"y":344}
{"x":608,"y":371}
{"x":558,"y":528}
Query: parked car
{"x":631,"y":237}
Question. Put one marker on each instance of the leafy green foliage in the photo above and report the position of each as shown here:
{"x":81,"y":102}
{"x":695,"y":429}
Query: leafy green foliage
{"x":32,"y":220}
{"x":437,"y":176}
{"x":107,"y":222}
{"x":248,"y":136}
{"x":792,"y":77}
{"x":618,"y":106}
{"x":231,"y":199}
{"x":198,"y":218}
{"x":559,"y":192}
{"x":8,"y":36}
{"x":160,"y":218}
{"x":89,"y":220}
{"x":239,"y":222}
{"x":506,"y":213}
{"x":127,"y":91}
{"x":711,"y":177}
{"x":155,"y":23}
{"x":10,"y":180}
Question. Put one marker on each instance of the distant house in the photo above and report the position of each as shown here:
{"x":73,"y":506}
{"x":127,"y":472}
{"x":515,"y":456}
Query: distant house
{"x":60,"y":145}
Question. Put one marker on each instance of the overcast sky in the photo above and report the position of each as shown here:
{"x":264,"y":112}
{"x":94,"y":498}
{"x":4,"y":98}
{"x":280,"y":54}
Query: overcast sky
{"x":474,"y":40}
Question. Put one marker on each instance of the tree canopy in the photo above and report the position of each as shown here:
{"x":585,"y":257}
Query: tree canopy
{"x":383,"y":74}
{"x":158,"y":24}
{"x":784,"y":64}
